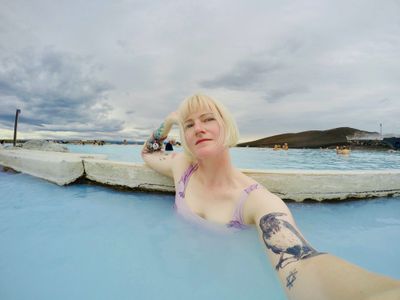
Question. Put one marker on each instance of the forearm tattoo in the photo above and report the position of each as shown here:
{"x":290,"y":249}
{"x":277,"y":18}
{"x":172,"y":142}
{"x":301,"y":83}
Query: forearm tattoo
{"x":284,"y":240}
{"x":159,"y":132}
{"x":290,"y":279}
{"x":155,"y":141}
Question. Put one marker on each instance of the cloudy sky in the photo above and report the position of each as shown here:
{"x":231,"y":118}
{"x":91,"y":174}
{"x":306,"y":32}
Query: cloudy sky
{"x":113,"y":69}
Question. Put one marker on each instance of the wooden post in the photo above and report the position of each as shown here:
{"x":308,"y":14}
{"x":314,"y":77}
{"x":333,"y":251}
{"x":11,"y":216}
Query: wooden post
{"x":15,"y":126}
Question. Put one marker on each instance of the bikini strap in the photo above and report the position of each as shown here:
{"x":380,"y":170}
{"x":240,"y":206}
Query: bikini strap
{"x":186,"y":175}
{"x":238,"y":213}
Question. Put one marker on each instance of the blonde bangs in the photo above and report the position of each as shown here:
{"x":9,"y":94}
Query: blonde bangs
{"x":201,"y":102}
{"x":197,"y":103}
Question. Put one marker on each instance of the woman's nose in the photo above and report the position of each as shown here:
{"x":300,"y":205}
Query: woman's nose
{"x":198,"y":127}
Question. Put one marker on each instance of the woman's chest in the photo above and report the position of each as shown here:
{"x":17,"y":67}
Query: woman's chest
{"x":218,"y":206}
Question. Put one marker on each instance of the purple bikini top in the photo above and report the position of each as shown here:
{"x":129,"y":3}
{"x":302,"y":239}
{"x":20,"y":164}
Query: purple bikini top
{"x":181,"y":206}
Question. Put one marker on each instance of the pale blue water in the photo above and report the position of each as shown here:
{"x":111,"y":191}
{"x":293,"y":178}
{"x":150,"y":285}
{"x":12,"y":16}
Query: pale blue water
{"x":91,"y":242}
{"x":266,"y":158}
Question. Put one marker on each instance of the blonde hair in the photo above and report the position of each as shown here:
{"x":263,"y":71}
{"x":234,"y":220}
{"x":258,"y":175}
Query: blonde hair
{"x":199,"y":102}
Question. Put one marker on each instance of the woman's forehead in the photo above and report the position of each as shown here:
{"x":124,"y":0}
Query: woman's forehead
{"x":198,"y":114}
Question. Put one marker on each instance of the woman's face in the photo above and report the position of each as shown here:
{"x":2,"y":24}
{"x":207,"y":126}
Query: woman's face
{"x":203,"y":134}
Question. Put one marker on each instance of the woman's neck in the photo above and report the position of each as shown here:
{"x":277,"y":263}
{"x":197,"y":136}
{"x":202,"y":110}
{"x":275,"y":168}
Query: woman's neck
{"x":216,"y":171}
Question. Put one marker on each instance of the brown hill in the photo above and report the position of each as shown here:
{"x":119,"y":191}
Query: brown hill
{"x":310,"y":139}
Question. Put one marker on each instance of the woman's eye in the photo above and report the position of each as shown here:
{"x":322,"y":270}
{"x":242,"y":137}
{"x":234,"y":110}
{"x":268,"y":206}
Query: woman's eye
{"x":188,"y":125}
{"x":209,"y":119}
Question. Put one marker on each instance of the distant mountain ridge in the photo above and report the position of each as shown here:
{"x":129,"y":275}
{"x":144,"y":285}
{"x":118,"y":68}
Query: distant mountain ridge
{"x":312,"y":138}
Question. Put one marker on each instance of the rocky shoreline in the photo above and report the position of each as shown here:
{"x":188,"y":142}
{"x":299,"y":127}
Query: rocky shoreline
{"x":343,"y":136}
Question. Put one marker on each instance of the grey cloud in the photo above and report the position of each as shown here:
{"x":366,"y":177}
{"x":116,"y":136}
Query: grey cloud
{"x":55,"y":88}
{"x":385,"y":101}
{"x":84,"y":127}
{"x":287,"y":47}
{"x":244,"y":75}
{"x":7,"y":120}
{"x":318,"y":55}
{"x":274,"y":95}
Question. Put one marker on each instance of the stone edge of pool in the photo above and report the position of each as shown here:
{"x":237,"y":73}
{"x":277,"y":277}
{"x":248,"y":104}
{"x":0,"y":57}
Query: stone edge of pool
{"x":297,"y":185}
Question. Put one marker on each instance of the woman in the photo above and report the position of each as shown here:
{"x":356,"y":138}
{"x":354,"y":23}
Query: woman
{"x":210,"y":188}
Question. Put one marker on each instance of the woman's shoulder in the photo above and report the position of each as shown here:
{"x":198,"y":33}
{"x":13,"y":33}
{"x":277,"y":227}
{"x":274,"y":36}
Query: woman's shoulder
{"x":244,"y":179}
{"x":259,"y":190}
{"x":261,"y":201}
{"x":260,"y":195}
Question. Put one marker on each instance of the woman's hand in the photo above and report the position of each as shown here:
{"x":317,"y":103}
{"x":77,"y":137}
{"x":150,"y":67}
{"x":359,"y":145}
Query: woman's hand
{"x":152,"y":152}
{"x":155,"y":142}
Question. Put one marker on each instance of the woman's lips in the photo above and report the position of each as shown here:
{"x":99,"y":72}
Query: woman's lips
{"x":202,"y":140}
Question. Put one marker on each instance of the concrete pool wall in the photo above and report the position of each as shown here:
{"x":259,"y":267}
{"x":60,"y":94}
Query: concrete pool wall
{"x":298,"y":185}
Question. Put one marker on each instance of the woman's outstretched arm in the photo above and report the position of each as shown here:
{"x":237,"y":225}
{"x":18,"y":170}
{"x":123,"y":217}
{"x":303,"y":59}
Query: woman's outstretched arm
{"x":306,"y":272}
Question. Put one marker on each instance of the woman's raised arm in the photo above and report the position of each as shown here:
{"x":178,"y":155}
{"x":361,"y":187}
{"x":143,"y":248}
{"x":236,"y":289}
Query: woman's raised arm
{"x":152,"y":153}
{"x":305,"y":272}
